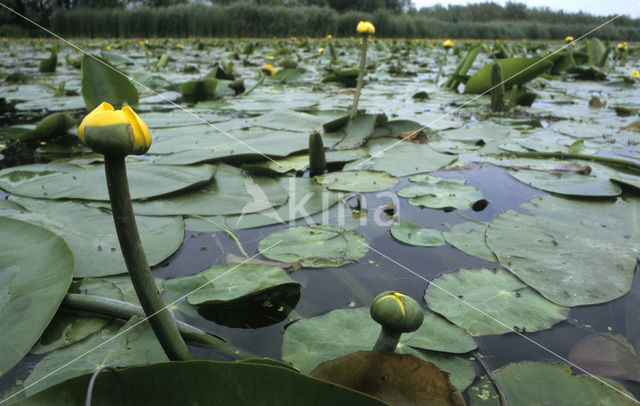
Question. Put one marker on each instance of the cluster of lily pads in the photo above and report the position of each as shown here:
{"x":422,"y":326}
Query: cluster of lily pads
{"x":516,"y":216}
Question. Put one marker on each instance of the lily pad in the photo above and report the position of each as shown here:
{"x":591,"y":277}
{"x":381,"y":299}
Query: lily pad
{"x":608,"y":355}
{"x":469,"y":237}
{"x":521,"y":383}
{"x":358,"y":181}
{"x":29,"y":297}
{"x":308,"y":342}
{"x":135,"y":345}
{"x":442,"y":194}
{"x":353,"y":134}
{"x":400,"y":158}
{"x":317,"y":246}
{"x":396,"y":378}
{"x":491,"y":301}
{"x":232,"y":192}
{"x":202,"y":382}
{"x":409,"y":233}
{"x":566,"y":246}
{"x":92,"y":237}
{"x":102,"y":82}
{"x":567,"y":184}
{"x":87,"y":182}
{"x":66,"y":329}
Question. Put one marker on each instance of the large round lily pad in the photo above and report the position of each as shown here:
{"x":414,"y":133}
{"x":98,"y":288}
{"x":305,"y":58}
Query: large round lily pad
{"x":315,"y":246}
{"x":35,"y":272}
{"x":567,"y":183}
{"x":469,"y":238}
{"x":92,"y":236}
{"x":491,"y":301}
{"x":572,"y":252}
{"x":522,"y":382}
{"x":309,"y":342}
{"x":358,"y":181}
{"x":409,"y":233}
{"x":442,"y":194}
{"x":200,"y":383}
{"x":87,"y":182}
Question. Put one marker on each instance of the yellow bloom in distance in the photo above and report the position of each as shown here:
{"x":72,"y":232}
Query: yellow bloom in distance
{"x":119,"y":132}
{"x":268,"y":69}
{"x":365,"y":28}
{"x":448,"y":44}
{"x":635,"y":74}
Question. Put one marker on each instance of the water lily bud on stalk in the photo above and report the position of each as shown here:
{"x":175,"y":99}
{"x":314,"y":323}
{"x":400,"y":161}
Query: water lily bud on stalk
{"x":397,"y":313}
{"x":365,"y":28}
{"x":635,"y":74}
{"x":569,"y":40}
{"x":268,"y":69}
{"x":448,"y":44}
{"x":114,"y":132}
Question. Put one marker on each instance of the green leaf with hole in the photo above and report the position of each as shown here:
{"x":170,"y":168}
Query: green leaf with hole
{"x":409,"y":233}
{"x":317,"y":246}
{"x":31,"y":286}
{"x":491,"y":301}
{"x":102,"y":82}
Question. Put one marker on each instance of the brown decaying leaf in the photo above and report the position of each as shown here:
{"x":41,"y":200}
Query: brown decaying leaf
{"x":608,"y":355}
{"x":398,"y":379}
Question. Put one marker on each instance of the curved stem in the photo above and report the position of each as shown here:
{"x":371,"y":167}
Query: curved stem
{"x":363,"y":60}
{"x":134,"y":257}
{"x":492,"y":379}
{"x":226,"y":230}
{"x":387,"y":340}
{"x":252,"y":88}
{"x":124,"y":310}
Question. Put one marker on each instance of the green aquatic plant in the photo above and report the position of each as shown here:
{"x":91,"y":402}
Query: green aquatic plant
{"x":397,"y":313}
{"x":116,"y":134}
{"x":364,"y":28}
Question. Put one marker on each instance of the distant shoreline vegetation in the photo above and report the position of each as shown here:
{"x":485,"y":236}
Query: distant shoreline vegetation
{"x":240,"y":19}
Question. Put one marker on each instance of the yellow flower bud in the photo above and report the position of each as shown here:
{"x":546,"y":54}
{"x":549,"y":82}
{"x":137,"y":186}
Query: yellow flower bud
{"x":141,"y":43}
{"x":329,"y":36}
{"x":108,"y":47}
{"x":320,"y":50}
{"x":397,"y":312}
{"x":365,"y":28}
{"x":448,"y":44}
{"x":568,"y":39}
{"x":117,"y":132}
{"x":268,"y":69}
{"x":635,"y":74}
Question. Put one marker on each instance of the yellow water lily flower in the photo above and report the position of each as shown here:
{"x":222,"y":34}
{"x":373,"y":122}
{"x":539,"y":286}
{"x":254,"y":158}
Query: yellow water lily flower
{"x":141,"y":43}
{"x":108,"y":47}
{"x":365,"y":28}
{"x":568,"y":39}
{"x":329,"y":36}
{"x":622,"y":46}
{"x":118,"y":132}
{"x":448,"y":44}
{"x":268,"y":69}
{"x":320,"y":50}
{"x":635,"y":74}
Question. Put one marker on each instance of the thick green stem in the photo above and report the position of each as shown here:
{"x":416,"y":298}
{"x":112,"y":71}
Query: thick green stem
{"x":443,"y":62}
{"x":252,"y":88}
{"x":387,"y":340}
{"x":573,"y":61}
{"x":123,"y":310}
{"x":497,"y":88}
{"x":363,"y":60}
{"x":160,"y":319}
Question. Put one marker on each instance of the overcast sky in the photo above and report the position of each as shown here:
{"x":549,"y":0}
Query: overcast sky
{"x":596,"y":7}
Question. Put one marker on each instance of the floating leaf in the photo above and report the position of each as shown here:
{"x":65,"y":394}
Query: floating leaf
{"x":92,"y":237}
{"x":66,"y":329}
{"x":29,"y":297}
{"x":409,"y":233}
{"x":442,"y":194}
{"x":203,"y":382}
{"x":566,"y":246}
{"x":522,"y":382}
{"x":491,"y":301}
{"x":396,"y":378}
{"x":87,"y":182}
{"x":358,"y":181}
{"x":568,"y":184}
{"x":317,"y":246}
{"x":469,"y":237}
{"x":608,"y":355}
{"x":308,"y":342}
{"x":102,"y":82}
{"x":353,"y":134}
